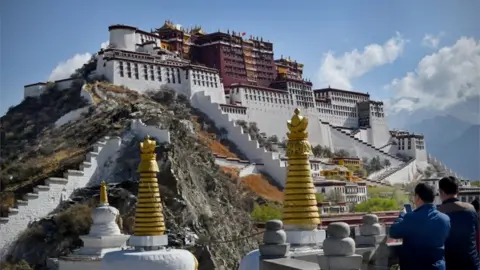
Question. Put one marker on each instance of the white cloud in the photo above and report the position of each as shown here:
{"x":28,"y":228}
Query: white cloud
{"x":432,"y":41}
{"x":339,"y":71}
{"x":442,"y":79}
{"x":104,"y":44}
{"x":64,"y":69}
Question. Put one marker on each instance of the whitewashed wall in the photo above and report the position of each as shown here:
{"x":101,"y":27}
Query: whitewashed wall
{"x":404,"y":175}
{"x":356,"y":148}
{"x":46,"y":198}
{"x":271,"y":165}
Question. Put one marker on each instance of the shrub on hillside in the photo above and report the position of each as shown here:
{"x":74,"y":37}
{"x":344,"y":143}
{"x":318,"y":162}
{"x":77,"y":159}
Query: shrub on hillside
{"x":21,"y":265}
{"x":59,"y":232}
{"x":341,"y":153}
{"x":269,"y":211}
{"x":377,"y":204}
{"x":322,"y":151}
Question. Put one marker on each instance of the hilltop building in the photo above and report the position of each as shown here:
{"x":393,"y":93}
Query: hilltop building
{"x":230,"y":78}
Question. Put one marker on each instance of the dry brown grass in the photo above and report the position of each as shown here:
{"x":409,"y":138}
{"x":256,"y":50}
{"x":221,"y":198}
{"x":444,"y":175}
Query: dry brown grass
{"x":229,"y":170}
{"x":211,"y":141}
{"x":262,"y":187}
{"x":117,"y":89}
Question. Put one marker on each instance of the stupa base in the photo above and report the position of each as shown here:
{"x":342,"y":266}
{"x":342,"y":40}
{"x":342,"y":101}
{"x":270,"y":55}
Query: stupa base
{"x":301,"y":238}
{"x":148,"y":242}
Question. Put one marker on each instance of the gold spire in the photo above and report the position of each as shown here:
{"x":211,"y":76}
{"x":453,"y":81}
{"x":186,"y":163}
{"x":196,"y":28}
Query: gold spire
{"x":299,"y":203}
{"x":149,"y":219}
{"x":103,"y":194}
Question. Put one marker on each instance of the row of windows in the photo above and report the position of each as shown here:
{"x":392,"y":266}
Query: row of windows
{"x":299,"y":86}
{"x":153,"y":72}
{"x":340,"y":113}
{"x":234,"y":110}
{"x":269,"y":99}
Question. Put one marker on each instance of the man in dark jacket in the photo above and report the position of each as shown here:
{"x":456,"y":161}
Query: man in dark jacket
{"x":423,"y":231}
{"x":460,"y":247}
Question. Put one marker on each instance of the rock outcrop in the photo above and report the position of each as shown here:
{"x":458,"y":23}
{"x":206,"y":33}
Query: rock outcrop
{"x":198,"y":197}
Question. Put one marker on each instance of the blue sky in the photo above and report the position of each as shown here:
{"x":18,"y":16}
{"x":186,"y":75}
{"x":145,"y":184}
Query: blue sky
{"x":37,"y":35}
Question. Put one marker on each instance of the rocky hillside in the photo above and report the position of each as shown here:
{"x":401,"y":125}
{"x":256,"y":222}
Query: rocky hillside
{"x":197,"y":194}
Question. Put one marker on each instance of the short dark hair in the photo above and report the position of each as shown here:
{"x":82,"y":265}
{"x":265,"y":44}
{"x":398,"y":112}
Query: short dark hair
{"x":449,"y":185}
{"x":425,"y":192}
{"x":476,"y":204}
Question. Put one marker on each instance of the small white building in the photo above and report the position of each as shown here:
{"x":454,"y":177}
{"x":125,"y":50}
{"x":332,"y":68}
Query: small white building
{"x":37,"y":89}
{"x":348,"y":192}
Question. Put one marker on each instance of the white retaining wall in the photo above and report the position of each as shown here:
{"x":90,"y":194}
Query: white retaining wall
{"x":359,"y":149}
{"x":404,"y":175}
{"x":250,"y":169}
{"x":71,"y":116}
{"x":256,"y":154}
{"x":362,"y":135}
{"x":226,"y":162}
{"x":46,"y":198}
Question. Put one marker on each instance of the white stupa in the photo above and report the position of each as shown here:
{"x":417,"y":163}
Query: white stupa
{"x":104,"y":236}
{"x":148,"y":246}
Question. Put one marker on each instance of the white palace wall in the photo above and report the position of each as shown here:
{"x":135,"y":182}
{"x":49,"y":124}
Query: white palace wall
{"x":272,"y":119}
{"x":46,"y":198}
{"x":256,"y":154}
{"x":187,"y":85}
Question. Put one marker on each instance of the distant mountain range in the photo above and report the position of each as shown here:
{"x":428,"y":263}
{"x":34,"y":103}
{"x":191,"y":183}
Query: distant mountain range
{"x":454,"y":142}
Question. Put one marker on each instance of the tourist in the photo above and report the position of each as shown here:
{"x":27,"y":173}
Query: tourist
{"x":423,"y":232}
{"x":460,"y":248}
{"x":476,"y":205}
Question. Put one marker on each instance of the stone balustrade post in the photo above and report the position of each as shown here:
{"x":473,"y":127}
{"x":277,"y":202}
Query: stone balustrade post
{"x":372,"y":237}
{"x":371,"y":232}
{"x":339,"y":249}
{"x":274,"y":241}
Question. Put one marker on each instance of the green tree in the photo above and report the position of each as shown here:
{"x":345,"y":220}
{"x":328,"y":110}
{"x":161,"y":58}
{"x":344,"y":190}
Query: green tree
{"x":322,"y":151}
{"x":377,"y":204}
{"x":335,"y":197}
{"x":266,"y":212}
{"x":341,"y":153}
{"x":386,"y":163}
{"x":320,"y":197}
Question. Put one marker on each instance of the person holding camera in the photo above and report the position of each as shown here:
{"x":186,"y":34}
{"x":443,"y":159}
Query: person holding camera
{"x":423,"y":232}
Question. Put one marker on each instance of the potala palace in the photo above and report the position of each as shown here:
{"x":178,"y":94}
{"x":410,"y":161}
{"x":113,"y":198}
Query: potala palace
{"x":230,"y":77}
{"x":235,"y":81}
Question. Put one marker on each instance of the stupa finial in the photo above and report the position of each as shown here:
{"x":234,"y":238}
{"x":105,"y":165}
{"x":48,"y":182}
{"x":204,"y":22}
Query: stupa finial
{"x":297,"y":127}
{"x":149,"y":220}
{"x":103,"y":194}
{"x":300,"y":208}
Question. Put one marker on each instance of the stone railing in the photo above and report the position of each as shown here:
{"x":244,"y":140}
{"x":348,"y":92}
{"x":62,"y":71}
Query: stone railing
{"x":369,"y":250}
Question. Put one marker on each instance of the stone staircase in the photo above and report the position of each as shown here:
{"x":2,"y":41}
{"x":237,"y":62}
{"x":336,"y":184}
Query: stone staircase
{"x":379,"y":151}
{"x":45,"y":198}
{"x":390,"y":172}
{"x":355,"y":132}
{"x":389,"y":143}
{"x":270,"y":163}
